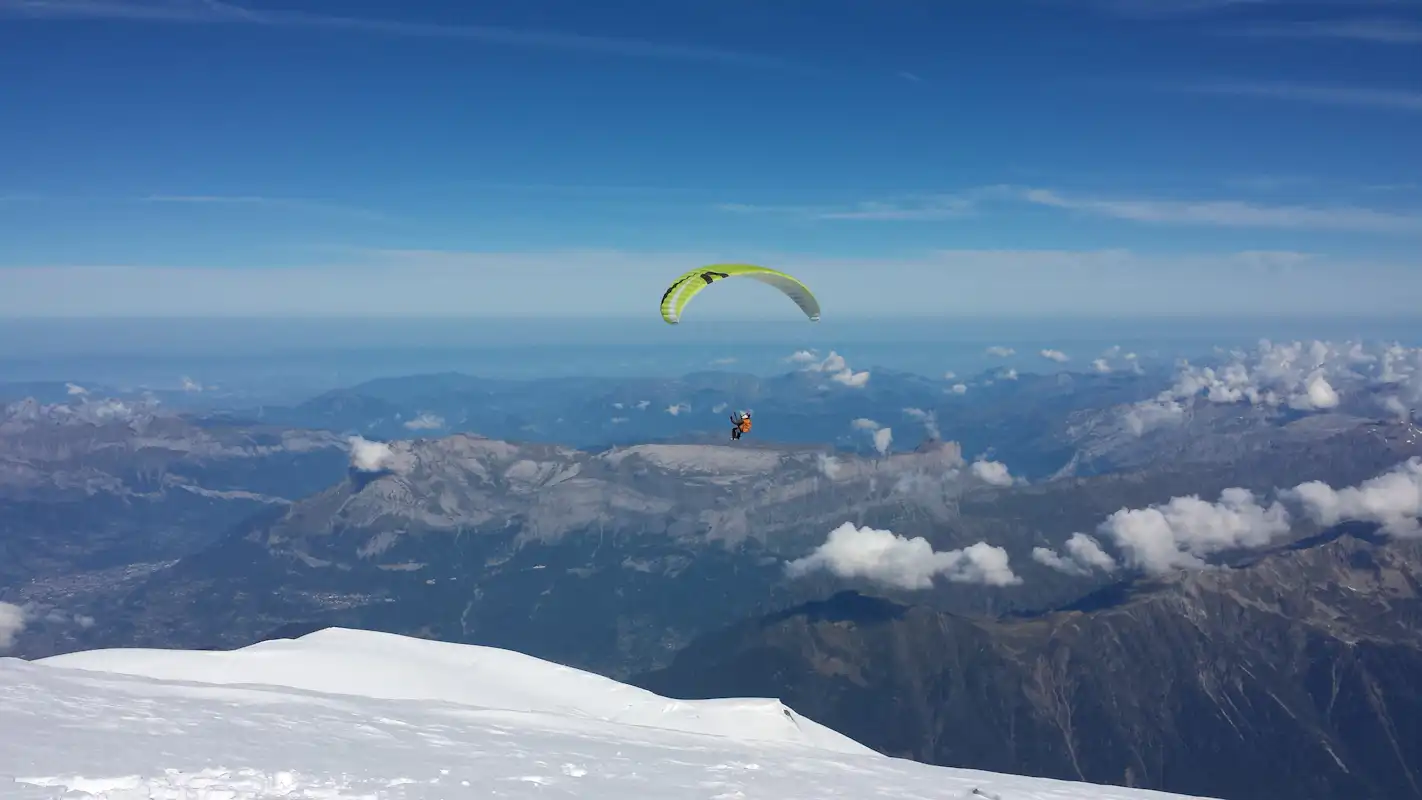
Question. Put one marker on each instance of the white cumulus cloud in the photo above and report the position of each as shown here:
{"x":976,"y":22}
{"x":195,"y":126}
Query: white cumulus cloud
{"x":75,"y":389}
{"x":12,"y":623}
{"x":1051,"y":558}
{"x":882,"y":439}
{"x":993,"y":472}
{"x":849,"y":377}
{"x":1393,"y":500}
{"x":1317,"y":376}
{"x":959,"y":388}
{"x":1318,"y":393}
{"x":425,"y":421}
{"x":676,"y":408}
{"x":1147,"y":416}
{"x":368,"y":456}
{"x":1000,"y":351}
{"x":1183,"y":531}
{"x":1113,"y":359}
{"x":832,"y":365}
{"x":928,"y":418}
{"x":1055,"y":355}
{"x":888,"y":558}
{"x":881,"y":435}
{"x":1083,"y":553}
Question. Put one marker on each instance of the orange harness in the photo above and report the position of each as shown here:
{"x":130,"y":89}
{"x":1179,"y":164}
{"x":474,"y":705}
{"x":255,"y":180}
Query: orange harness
{"x":745,"y":425}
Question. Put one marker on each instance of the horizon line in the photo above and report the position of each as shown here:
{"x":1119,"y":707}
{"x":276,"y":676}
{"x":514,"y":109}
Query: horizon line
{"x":572,"y":317}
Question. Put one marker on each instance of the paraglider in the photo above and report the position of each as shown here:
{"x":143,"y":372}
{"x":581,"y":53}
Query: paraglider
{"x":689,"y":284}
{"x":740,"y":423}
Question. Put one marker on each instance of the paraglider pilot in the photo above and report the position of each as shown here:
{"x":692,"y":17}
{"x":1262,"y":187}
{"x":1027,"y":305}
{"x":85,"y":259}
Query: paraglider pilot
{"x":740,"y":423}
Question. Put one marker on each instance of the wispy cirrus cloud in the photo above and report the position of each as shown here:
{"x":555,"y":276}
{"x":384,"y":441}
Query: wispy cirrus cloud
{"x":906,"y":208}
{"x":1218,"y":213}
{"x":1393,"y":99}
{"x":1233,"y":213}
{"x":1376,"y":30}
{"x":1268,"y":183}
{"x":939,"y":207}
{"x":216,"y":12}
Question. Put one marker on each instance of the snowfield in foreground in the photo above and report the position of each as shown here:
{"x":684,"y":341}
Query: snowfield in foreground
{"x":342,"y":713}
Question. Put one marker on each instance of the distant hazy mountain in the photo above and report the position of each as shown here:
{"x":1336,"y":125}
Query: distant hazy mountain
{"x":1014,"y":418}
{"x":608,"y":523}
{"x":1296,"y":678}
{"x":1251,"y":401}
{"x":94,"y":493}
{"x":611,"y":560}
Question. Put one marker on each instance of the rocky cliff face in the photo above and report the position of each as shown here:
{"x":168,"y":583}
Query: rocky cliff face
{"x":1299,"y":676}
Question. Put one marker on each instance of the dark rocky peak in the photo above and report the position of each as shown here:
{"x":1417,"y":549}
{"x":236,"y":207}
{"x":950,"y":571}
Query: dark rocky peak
{"x":1338,"y":581}
{"x":1309,"y":660}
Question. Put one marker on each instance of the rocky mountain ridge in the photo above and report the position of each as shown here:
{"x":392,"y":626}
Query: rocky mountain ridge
{"x":610,"y":560}
{"x":1308,"y":660}
{"x":806,"y":406}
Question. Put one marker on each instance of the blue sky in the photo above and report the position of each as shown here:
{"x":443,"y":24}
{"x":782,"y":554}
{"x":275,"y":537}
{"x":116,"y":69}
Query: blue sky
{"x":1012,"y":157}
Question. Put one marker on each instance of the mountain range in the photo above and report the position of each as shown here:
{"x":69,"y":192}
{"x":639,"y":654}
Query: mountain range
{"x":612,"y":560}
{"x":1033,"y":557}
{"x":1308,"y":660}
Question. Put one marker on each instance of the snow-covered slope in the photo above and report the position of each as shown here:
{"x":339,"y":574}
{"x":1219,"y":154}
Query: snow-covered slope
{"x":390,"y":667}
{"x":343,"y":713}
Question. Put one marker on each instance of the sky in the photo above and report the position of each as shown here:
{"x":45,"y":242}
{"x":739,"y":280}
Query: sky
{"x":563,"y":158}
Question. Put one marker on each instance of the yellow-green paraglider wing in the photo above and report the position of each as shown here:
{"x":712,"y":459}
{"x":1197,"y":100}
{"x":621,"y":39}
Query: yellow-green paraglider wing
{"x":689,"y":284}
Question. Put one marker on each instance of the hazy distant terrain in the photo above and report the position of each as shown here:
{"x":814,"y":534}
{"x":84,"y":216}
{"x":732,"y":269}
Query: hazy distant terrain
{"x":608,"y":523}
{"x":95,"y":494}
